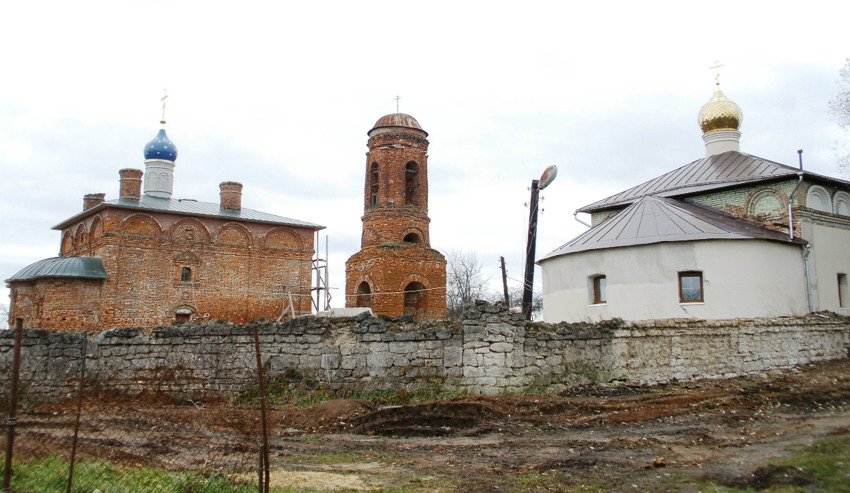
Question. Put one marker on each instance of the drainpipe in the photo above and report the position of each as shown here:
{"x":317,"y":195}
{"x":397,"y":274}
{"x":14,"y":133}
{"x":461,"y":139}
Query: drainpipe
{"x":808,"y":279}
{"x":791,"y":198}
{"x":575,"y":216}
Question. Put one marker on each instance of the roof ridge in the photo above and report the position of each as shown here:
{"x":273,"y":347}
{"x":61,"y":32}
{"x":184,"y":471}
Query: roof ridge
{"x":714,"y":171}
{"x":707,"y":224}
{"x":190,"y":207}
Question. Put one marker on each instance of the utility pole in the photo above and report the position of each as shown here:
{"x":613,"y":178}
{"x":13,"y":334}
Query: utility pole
{"x":531,"y":246}
{"x":530,"y":249}
{"x":505,"y":283}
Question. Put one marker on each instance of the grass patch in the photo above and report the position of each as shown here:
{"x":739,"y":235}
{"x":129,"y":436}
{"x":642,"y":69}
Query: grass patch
{"x":826,"y":462}
{"x":293,"y":389}
{"x":50,"y":475}
{"x":404,"y":397}
{"x":556,"y":481}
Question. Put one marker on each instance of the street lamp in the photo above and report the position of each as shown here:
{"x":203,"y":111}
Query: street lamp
{"x":536,"y":185}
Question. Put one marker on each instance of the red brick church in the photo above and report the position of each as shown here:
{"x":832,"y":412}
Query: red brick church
{"x":396,"y":271}
{"x":147,"y":259}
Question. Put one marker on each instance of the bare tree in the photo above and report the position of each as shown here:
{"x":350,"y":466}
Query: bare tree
{"x":515,"y":295}
{"x":4,"y":316}
{"x":840,"y":106}
{"x":464,"y":284}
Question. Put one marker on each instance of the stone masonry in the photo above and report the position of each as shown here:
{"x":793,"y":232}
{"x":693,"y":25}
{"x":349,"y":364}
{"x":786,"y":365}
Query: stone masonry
{"x":490,"y":351}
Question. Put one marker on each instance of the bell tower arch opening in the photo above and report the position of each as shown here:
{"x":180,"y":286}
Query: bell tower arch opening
{"x":364,"y":295}
{"x":373,"y":185}
{"x":411,"y":183}
{"x":415,"y":300}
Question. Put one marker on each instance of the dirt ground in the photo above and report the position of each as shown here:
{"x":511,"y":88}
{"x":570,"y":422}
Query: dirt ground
{"x":673,"y":437}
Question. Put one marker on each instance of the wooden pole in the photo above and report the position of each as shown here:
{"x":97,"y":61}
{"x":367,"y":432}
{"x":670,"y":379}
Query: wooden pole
{"x":13,"y":405}
{"x":79,"y":411}
{"x":531,"y":248}
{"x":264,"y":452}
{"x":505,"y":283}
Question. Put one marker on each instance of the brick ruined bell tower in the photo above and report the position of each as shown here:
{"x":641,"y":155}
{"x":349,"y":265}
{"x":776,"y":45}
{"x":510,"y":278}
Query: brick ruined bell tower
{"x":396,"y":271}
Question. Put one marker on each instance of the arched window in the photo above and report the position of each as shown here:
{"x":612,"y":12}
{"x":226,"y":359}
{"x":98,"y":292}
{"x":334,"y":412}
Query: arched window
{"x":186,"y":274}
{"x":373,"y":185}
{"x":364,"y":295}
{"x":183,"y":315}
{"x":415,"y":300}
{"x":411,"y":183}
{"x":411,"y":238}
{"x":600,"y":295}
{"x":818,"y":199}
{"x":841,"y":203}
{"x":67,"y":244}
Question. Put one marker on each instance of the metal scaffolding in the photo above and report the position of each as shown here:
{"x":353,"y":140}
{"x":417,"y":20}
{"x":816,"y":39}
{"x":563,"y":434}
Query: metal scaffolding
{"x":320,"y":292}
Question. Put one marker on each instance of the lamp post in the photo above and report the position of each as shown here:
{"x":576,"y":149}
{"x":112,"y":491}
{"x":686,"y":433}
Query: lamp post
{"x":531,"y":246}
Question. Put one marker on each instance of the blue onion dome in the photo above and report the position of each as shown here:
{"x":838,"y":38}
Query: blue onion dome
{"x":161,"y":147}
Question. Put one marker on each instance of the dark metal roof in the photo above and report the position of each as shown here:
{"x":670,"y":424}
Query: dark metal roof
{"x":657,"y":220}
{"x":189,"y":207}
{"x":710,"y":173}
{"x":68,"y":267}
{"x":397,"y":120}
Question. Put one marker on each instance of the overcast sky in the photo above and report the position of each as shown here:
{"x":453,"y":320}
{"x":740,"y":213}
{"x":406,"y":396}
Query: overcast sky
{"x":279,"y":96}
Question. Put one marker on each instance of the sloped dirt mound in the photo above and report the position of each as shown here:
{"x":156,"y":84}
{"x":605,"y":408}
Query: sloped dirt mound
{"x":597,"y":390}
{"x":770,"y":476}
{"x":328,"y":416}
{"x":441,"y":418}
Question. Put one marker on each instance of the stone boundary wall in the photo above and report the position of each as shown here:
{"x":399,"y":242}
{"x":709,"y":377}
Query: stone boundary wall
{"x":490,"y":351}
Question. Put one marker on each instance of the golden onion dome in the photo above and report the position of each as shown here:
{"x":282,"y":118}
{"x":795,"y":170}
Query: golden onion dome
{"x":719,"y":113}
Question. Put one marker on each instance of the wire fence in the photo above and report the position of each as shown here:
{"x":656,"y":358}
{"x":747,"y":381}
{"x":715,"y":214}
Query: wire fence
{"x":96,"y":440}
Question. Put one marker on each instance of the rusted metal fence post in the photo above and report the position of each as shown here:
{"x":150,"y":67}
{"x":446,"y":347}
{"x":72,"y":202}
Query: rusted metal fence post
{"x":13,"y":406}
{"x":79,"y":411}
{"x":264,"y":450}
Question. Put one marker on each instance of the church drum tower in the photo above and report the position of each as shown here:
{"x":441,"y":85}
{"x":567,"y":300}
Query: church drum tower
{"x":396,"y":271}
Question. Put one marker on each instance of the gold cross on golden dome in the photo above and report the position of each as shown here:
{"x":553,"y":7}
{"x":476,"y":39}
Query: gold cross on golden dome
{"x":716,"y":68}
{"x":163,"y":98}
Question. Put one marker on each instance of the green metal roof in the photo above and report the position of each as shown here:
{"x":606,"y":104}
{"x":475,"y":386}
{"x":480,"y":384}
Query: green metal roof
{"x":65,"y":267}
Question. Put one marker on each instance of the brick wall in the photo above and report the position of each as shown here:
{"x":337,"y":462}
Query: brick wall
{"x":490,"y":351}
{"x":391,"y":268}
{"x":396,"y":264}
{"x":237,"y":271}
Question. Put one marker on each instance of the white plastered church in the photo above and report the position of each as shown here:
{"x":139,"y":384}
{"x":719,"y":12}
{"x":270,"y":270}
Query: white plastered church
{"x":730,"y":235}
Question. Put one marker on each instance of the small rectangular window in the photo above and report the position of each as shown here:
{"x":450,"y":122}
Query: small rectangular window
{"x":843,"y":293}
{"x":186,"y":274}
{"x":599,"y":292}
{"x":690,"y":287}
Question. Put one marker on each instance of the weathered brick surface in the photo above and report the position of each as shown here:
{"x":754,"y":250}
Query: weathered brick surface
{"x":231,"y":195}
{"x":395,"y":254}
{"x":238,"y":271}
{"x":131,"y":184}
{"x":488,"y":352}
